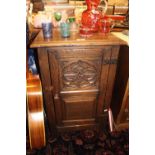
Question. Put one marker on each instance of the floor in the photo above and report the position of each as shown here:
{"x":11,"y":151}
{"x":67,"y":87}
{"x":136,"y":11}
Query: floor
{"x":86,"y":142}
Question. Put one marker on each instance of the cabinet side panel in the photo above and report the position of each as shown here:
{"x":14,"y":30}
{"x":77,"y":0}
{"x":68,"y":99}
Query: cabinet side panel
{"x":103,"y":80}
{"x":47,"y":87}
{"x":111,"y":76}
{"x":54,"y":70}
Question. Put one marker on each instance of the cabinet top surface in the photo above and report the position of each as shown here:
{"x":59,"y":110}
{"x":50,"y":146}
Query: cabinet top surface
{"x":75,"y":40}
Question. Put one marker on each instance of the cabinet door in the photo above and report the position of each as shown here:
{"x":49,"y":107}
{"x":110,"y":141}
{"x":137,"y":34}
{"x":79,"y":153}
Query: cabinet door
{"x":79,"y":78}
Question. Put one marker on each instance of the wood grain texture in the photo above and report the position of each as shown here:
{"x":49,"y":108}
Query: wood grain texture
{"x":75,"y":40}
{"x":103,"y":81}
{"x":47,"y":87}
{"x":86,"y":71}
{"x":81,"y":73}
{"x":123,"y":116}
{"x":35,"y":112}
{"x":111,"y":76}
{"x":120,"y":98}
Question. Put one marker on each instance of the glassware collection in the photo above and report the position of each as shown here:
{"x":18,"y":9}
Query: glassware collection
{"x":93,"y":20}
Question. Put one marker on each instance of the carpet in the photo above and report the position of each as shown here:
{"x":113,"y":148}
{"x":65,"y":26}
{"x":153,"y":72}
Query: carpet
{"x":87,"y":142}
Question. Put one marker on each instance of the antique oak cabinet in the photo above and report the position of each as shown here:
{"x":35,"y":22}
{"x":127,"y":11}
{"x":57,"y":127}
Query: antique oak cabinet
{"x":77,"y":77}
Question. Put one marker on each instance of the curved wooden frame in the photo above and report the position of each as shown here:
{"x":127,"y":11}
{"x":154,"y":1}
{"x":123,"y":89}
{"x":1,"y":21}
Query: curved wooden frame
{"x":35,"y":112}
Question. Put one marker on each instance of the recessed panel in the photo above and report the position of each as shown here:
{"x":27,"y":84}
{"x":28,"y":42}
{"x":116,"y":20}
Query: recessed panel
{"x":79,"y":110}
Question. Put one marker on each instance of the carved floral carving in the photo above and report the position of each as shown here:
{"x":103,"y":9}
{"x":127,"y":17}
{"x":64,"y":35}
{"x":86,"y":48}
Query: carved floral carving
{"x":79,"y":74}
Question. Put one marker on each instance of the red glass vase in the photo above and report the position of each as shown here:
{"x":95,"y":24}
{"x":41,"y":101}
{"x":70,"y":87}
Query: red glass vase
{"x":90,"y":18}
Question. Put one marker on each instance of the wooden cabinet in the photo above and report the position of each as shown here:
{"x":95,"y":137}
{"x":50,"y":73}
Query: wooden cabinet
{"x":82,"y":81}
{"x":77,"y":80}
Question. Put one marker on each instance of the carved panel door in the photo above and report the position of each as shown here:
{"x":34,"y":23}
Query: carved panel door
{"x":80,"y":80}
